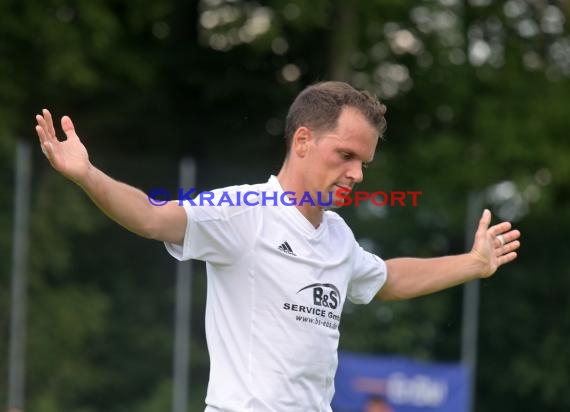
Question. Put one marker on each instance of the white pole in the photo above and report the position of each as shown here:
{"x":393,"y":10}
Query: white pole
{"x":182,"y":312}
{"x":16,"y":357}
{"x":470,"y":324}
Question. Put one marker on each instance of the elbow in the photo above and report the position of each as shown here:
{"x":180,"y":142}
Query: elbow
{"x":150,"y":227}
{"x":148,"y":231}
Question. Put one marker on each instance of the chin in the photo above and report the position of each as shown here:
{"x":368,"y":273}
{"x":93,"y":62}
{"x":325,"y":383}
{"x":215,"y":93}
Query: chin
{"x":334,"y":202}
{"x":332,"y":207}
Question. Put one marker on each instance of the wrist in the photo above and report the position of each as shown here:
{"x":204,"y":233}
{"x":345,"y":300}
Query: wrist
{"x":479,"y":263}
{"x":87,"y":179}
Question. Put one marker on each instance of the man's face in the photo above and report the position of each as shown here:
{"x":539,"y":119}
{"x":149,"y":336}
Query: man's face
{"x":336,"y":158}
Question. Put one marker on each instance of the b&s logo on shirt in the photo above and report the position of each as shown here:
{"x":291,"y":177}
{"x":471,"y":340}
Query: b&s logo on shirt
{"x":324,"y":294}
{"x":325,"y":298}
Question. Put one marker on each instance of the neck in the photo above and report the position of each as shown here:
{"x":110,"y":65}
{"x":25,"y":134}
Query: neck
{"x":291,"y":182}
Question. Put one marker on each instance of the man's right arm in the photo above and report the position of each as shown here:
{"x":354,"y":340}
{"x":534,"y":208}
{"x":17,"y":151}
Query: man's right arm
{"x":125,"y":204}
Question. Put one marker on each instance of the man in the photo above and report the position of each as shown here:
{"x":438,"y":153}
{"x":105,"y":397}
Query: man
{"x":278,"y":275}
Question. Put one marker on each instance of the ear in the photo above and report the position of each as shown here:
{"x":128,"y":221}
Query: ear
{"x":301,"y":139}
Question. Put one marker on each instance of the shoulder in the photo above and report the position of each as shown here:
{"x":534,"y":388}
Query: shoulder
{"x":225,"y":202}
{"x":225,"y":194}
{"x":235,"y":190}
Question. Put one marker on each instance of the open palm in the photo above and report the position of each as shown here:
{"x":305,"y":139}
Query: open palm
{"x":68,"y":157}
{"x":496,"y":245}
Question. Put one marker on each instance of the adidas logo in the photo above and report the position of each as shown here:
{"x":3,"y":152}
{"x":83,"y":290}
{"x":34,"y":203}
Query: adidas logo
{"x":285,"y":248}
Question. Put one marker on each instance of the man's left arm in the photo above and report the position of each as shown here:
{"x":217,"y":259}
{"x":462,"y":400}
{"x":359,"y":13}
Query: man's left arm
{"x":411,"y":277}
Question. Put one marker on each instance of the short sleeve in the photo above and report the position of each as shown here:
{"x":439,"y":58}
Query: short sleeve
{"x":368,"y":277}
{"x":217,"y":232}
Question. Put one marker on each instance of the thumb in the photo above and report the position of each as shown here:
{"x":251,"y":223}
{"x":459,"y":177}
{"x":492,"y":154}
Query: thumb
{"x":485,"y":221}
{"x":68,"y":128}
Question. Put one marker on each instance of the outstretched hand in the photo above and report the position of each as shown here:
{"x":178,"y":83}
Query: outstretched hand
{"x":496,"y":245}
{"x":68,"y":157}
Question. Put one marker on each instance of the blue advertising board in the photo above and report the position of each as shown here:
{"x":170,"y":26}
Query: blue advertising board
{"x":407,"y":385}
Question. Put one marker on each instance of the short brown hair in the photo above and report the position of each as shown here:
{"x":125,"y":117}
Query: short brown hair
{"x":319,"y":106}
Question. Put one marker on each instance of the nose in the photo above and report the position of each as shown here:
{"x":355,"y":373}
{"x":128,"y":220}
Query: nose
{"x":355,"y":172}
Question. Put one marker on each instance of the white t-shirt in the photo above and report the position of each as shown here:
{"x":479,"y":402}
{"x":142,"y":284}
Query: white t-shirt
{"x":276,"y":286}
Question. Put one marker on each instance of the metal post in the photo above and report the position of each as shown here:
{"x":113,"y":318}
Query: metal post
{"x":470,"y":324}
{"x":16,"y":357}
{"x":182,"y":312}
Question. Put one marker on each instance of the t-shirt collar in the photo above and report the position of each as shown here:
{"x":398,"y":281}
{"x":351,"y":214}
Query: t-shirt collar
{"x":295,"y":214}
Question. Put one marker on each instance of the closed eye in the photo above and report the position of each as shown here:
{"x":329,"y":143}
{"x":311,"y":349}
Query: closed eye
{"x":349,"y":156}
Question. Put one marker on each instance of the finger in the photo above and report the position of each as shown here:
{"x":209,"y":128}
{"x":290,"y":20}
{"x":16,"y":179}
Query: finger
{"x":508,"y":237}
{"x":41,"y":134}
{"x":44,"y":143}
{"x":47,"y":135}
{"x":47,"y":150}
{"x":500,"y":228}
{"x":485,"y":220}
{"x":509,"y":257}
{"x":512,"y":235}
{"x":508,"y":248}
{"x":499,"y":241}
{"x":68,"y":128}
{"x":49,"y":121}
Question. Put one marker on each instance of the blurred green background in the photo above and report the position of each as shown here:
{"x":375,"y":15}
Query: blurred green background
{"x":477,"y":93}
